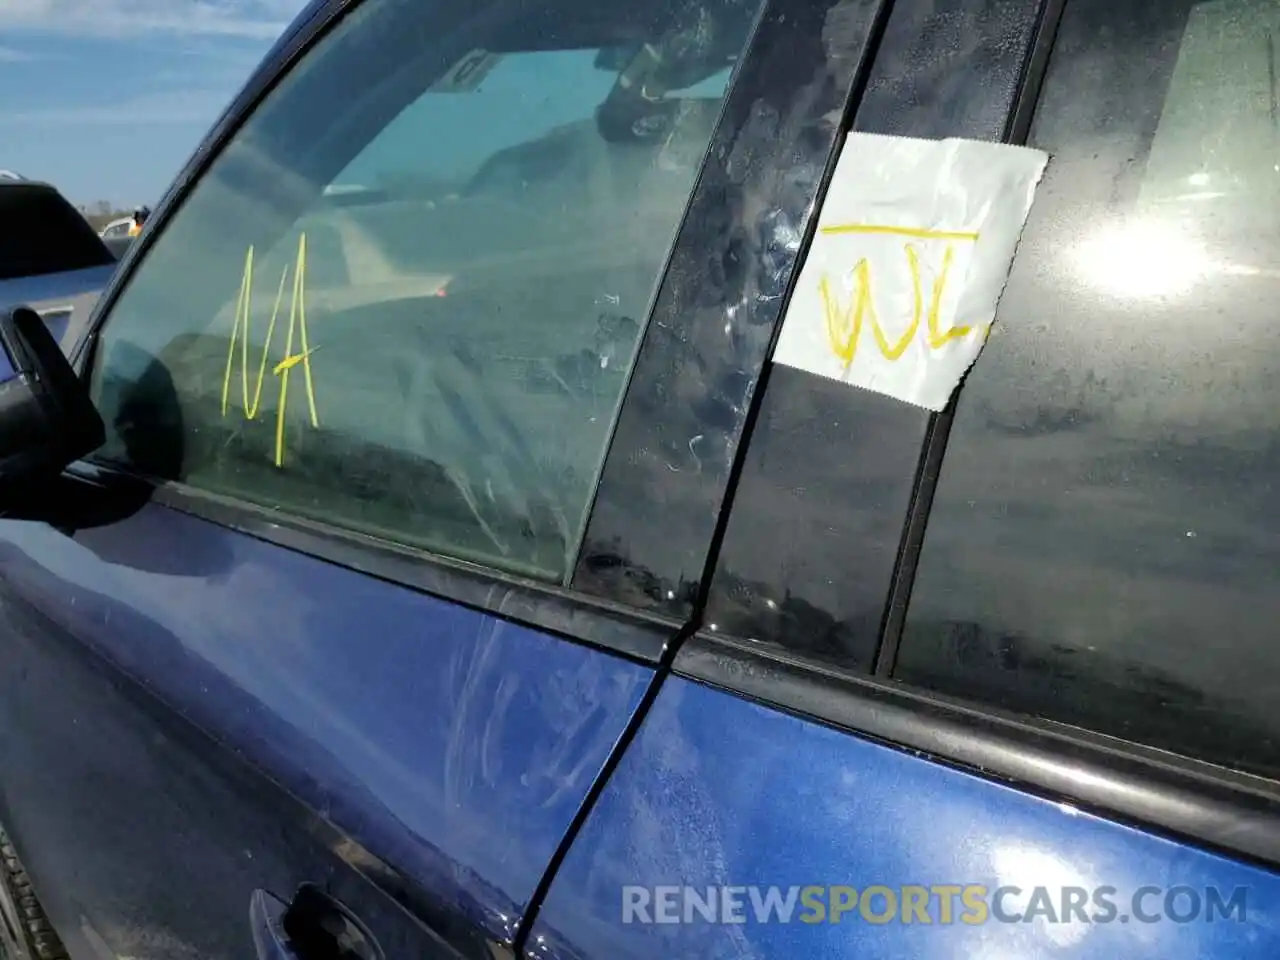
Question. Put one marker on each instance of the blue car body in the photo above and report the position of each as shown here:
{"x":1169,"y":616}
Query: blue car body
{"x":208,"y":705}
{"x":59,"y":297}
{"x":60,"y":266}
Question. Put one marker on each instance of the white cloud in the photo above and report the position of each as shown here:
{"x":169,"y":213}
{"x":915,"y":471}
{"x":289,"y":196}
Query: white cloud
{"x":172,"y":107}
{"x":12,"y":55}
{"x":251,"y":19}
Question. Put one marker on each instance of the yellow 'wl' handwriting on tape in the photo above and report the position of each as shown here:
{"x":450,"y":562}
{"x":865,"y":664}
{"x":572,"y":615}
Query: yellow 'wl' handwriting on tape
{"x":915,"y":239}
{"x":844,"y":326}
{"x":297,"y":325}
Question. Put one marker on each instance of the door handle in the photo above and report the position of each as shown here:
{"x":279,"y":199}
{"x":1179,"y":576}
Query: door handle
{"x":313,"y":926}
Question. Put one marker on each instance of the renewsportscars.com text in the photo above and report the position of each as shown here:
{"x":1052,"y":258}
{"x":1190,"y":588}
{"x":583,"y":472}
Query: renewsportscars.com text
{"x":971,"y":904}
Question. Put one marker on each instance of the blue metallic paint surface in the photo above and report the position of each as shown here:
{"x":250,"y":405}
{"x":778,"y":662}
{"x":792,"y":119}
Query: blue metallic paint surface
{"x":65,"y":298}
{"x":54,"y":286}
{"x":447,"y":742}
{"x":718,"y":790}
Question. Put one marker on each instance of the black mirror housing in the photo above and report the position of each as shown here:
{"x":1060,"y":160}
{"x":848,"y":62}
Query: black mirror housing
{"x":47,"y":420}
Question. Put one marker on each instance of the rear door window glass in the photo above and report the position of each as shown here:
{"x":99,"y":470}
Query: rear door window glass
{"x":1105,"y":541}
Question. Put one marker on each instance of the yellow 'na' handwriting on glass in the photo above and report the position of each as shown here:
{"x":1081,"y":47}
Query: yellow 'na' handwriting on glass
{"x":844,"y":326}
{"x":297,"y":325}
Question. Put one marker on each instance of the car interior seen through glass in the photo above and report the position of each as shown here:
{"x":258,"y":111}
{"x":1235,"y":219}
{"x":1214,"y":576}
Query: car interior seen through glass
{"x":405,"y":298}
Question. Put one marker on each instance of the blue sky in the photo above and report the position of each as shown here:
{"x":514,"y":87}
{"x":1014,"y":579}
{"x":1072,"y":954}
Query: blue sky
{"x":108,"y":98}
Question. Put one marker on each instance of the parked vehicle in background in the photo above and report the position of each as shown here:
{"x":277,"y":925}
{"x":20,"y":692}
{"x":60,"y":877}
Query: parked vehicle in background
{"x":118,"y":246}
{"x":118,"y":235}
{"x":460,"y":577}
{"x":117,"y":229}
{"x":50,"y":258}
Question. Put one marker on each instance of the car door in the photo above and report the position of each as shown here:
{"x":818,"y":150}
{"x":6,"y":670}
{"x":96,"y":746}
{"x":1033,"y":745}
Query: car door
{"x":55,"y":264}
{"x":306,"y":627}
{"x":999,"y":681}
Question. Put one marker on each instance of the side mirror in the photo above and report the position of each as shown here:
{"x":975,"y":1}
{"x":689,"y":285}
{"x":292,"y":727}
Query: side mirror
{"x":47,"y":420}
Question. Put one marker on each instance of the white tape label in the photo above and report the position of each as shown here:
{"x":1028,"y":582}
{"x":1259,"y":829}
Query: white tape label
{"x":914,"y":244}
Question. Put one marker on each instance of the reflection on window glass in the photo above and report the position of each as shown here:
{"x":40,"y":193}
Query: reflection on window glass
{"x":406,"y":296}
{"x":1105,"y":539}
